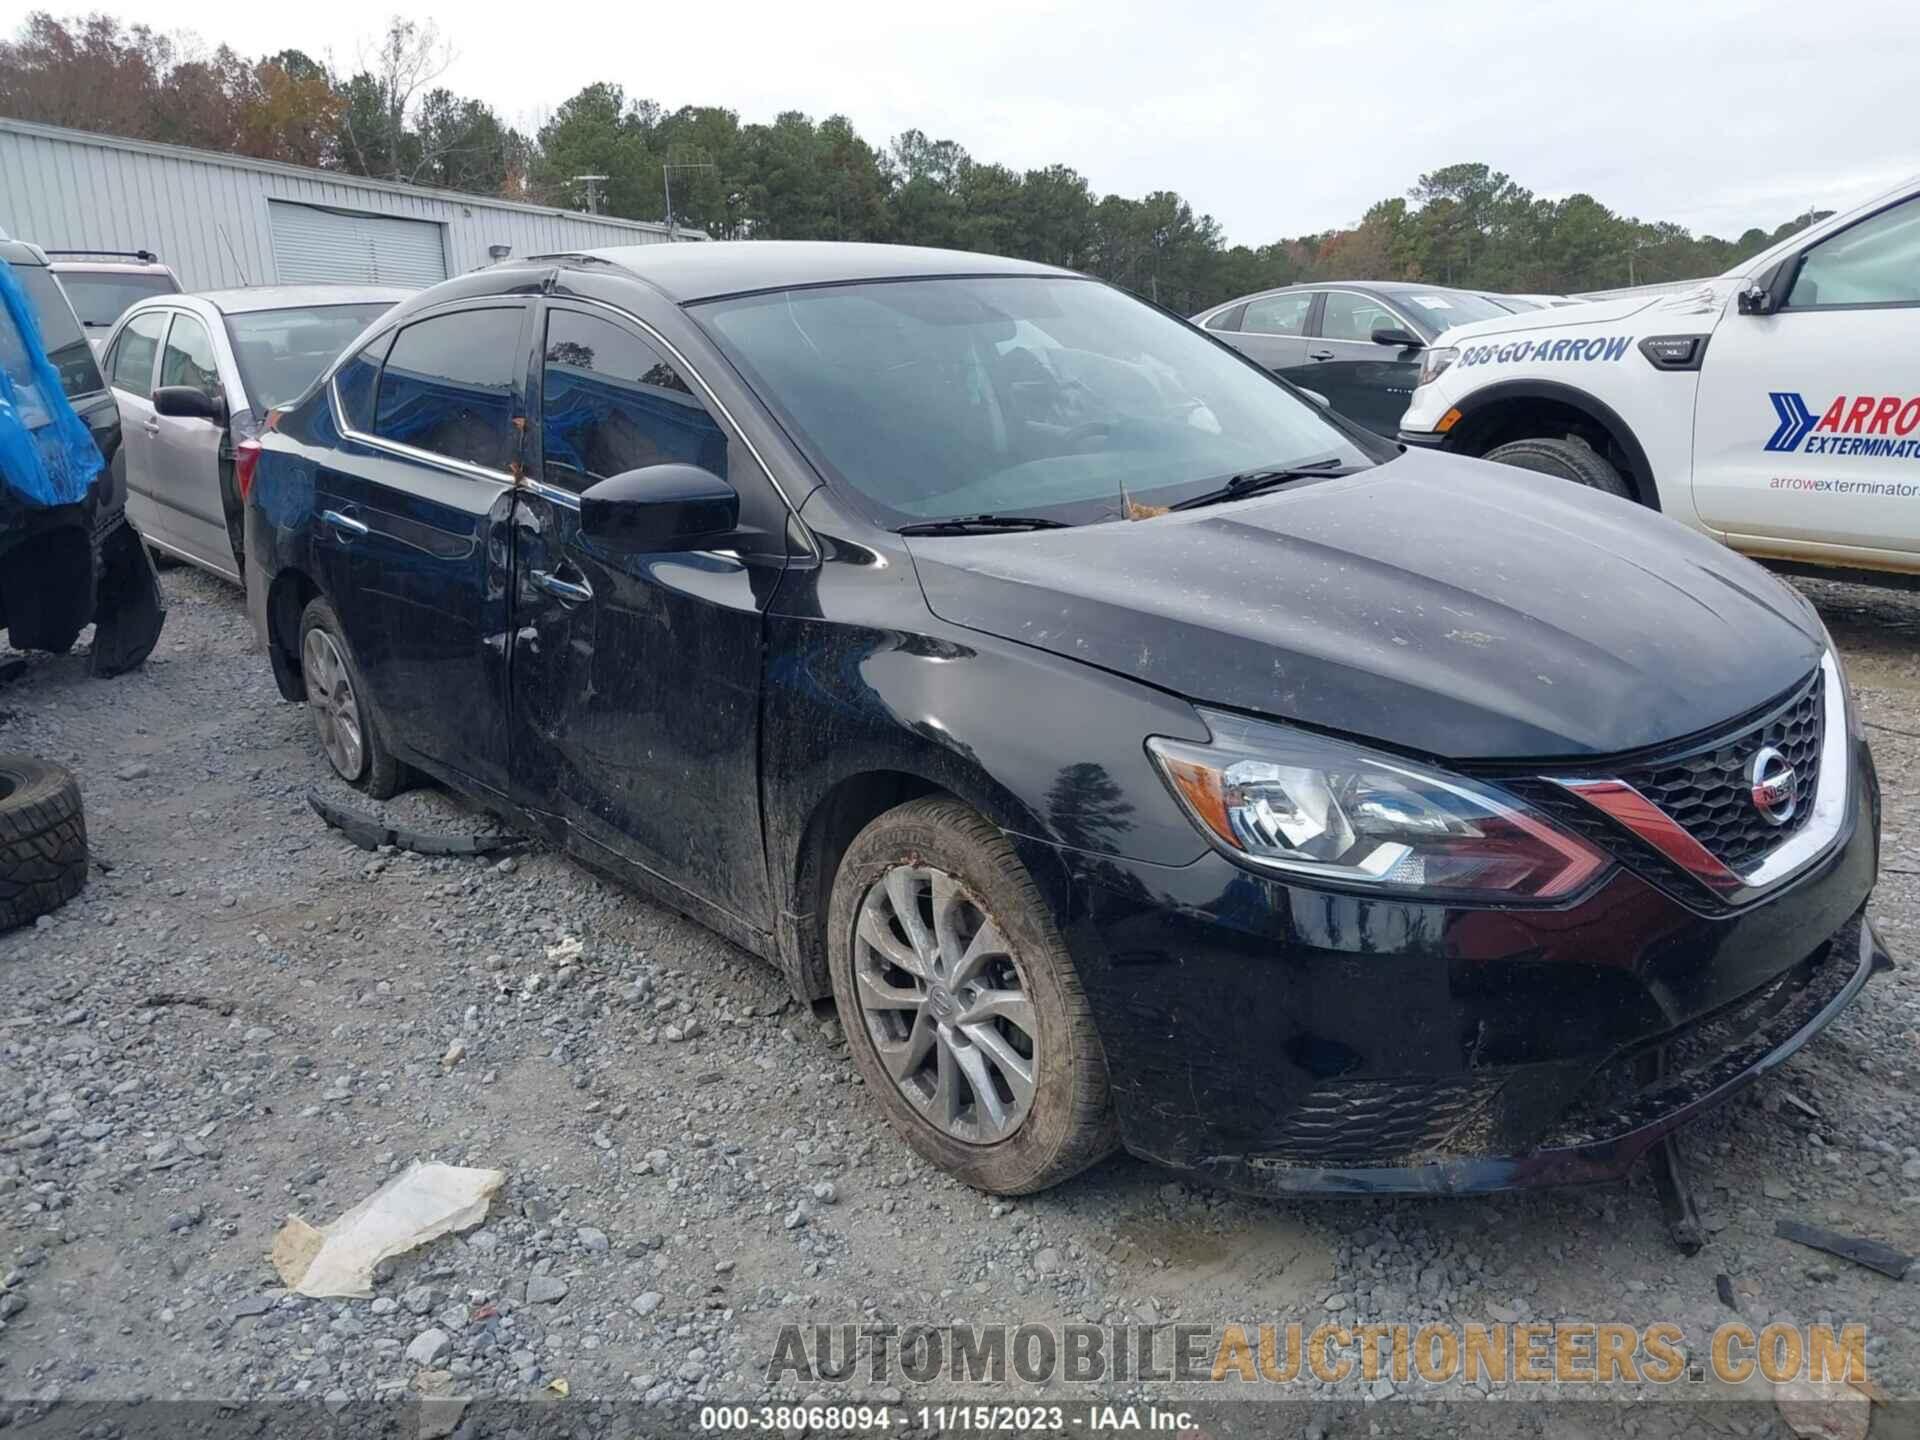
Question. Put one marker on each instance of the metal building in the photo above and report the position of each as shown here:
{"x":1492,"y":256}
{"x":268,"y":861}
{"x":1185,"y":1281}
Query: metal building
{"x":223,"y":220}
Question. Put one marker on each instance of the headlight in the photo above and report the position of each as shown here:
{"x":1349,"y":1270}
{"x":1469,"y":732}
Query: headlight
{"x":1285,"y":800}
{"x":1435,"y":360}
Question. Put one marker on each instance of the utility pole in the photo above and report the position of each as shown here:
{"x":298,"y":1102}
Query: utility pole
{"x":593,"y":184}
{"x":666,"y":184}
{"x":1633,"y":251}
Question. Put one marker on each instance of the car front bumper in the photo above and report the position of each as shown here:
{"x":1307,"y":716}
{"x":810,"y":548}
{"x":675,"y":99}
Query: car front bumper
{"x":1422,"y":439}
{"x":1277,"y":1039}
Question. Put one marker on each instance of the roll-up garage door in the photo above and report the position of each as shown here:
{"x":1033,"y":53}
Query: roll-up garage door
{"x":311,"y":243}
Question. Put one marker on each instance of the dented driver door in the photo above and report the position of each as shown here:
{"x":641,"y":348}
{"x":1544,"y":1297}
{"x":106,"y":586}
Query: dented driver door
{"x":636,"y":676}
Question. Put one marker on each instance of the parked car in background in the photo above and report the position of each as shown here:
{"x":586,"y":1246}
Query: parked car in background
{"x":1356,"y":343}
{"x":101,"y":284}
{"x":66,"y":565}
{"x":195,"y":376}
{"x":1137,"y":752}
{"x":1777,"y":407}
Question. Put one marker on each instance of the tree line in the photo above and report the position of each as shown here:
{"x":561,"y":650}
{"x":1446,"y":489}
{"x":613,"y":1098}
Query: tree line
{"x":386,"y":116}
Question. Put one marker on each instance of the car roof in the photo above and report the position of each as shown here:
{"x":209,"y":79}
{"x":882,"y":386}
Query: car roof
{"x":703,"y":270}
{"x":1378,"y":287}
{"x":284,"y":297}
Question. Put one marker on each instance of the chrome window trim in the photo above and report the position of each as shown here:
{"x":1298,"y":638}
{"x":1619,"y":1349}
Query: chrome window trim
{"x":557,"y":494}
{"x":409,"y":452}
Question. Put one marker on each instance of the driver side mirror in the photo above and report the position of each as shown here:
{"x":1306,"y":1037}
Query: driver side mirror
{"x":184,"y":402}
{"x":1398,"y":337}
{"x":661,"y":508}
{"x":1756,"y":300}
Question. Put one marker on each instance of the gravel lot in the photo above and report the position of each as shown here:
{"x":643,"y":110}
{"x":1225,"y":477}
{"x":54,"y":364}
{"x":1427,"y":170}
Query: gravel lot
{"x":246,"y":1017}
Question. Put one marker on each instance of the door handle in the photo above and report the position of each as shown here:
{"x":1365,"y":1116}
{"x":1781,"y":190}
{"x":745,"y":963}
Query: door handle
{"x":1320,"y":355}
{"x":568,"y":592}
{"x":345,"y":526}
{"x":151,"y":426}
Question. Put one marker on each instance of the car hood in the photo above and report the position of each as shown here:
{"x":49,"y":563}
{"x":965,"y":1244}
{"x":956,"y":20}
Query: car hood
{"x":1678,"y":310}
{"x":1437,"y":604}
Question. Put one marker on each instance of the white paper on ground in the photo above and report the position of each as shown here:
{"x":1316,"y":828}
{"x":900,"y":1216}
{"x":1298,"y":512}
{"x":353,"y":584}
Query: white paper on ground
{"x":421,"y":1204}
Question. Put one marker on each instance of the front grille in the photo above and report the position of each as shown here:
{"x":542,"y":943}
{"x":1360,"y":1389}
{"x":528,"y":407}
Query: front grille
{"x":1709,"y":793}
{"x":1705,"y":789}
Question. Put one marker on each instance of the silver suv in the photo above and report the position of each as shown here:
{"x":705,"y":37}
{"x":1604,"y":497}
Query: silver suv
{"x":101,"y":284}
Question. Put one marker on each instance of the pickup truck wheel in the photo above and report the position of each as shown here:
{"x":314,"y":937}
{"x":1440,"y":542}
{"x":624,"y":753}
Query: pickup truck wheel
{"x":961,"y":1005}
{"x":1564,"y":460}
{"x":342,"y":708}
{"x":43,"y":839}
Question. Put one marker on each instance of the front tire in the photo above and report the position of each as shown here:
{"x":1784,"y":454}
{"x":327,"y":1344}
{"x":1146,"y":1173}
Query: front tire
{"x":342,"y":707}
{"x":1564,"y":460}
{"x":961,"y":1005}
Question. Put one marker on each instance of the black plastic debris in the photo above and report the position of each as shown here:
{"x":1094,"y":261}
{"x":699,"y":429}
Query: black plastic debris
{"x":1870,"y":1253}
{"x":370,"y":834}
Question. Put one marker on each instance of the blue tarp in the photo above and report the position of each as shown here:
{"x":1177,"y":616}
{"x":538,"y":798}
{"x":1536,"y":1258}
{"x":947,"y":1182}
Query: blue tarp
{"x":47,"y":454}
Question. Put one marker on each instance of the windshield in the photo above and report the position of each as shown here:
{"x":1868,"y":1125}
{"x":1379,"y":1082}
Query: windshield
{"x":1439,"y":310}
{"x":100,"y":299}
{"x":1061,"y":399}
{"x":280,"y":352}
{"x":67,"y":348}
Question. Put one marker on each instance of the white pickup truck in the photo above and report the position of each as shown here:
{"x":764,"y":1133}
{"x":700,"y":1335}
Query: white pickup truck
{"x":1777,"y":408}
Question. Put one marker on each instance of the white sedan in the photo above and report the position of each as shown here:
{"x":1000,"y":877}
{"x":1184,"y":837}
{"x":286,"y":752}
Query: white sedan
{"x":195,"y":376}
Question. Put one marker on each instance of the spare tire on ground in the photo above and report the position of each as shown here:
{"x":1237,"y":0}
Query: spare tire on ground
{"x":43,"y":838}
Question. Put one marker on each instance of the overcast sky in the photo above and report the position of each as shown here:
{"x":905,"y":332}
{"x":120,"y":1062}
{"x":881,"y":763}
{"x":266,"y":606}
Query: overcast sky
{"x":1278,"y":119}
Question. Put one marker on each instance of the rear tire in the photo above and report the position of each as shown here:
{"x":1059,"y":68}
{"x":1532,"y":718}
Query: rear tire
{"x":342,"y":707}
{"x":1014,"y":1028}
{"x":1564,"y":460}
{"x":43,"y":839}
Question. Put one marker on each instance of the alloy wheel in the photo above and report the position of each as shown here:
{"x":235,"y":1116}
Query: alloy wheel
{"x":336,"y":711}
{"x":945,"y":1004}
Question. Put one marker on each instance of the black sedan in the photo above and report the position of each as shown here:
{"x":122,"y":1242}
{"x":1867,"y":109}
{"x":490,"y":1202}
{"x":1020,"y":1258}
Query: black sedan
{"x":1357,"y":343}
{"x":1137,"y":753}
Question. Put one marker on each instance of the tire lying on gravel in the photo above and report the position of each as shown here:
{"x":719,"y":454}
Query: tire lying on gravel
{"x":961,"y":1005}
{"x":43,"y":838}
{"x":1564,"y":460}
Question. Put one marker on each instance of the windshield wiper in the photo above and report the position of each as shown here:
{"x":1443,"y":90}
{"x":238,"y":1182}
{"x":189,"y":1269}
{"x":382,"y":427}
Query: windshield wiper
{"x":1249,"y":482}
{"x":980,"y":524}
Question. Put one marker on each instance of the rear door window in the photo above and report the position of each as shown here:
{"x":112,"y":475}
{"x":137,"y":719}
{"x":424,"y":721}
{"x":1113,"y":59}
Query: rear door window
{"x":354,"y":384}
{"x":1277,"y":314}
{"x":188,"y":357}
{"x":447,"y":386}
{"x":1227,"y":319}
{"x":133,"y":353}
{"x":610,"y":402}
